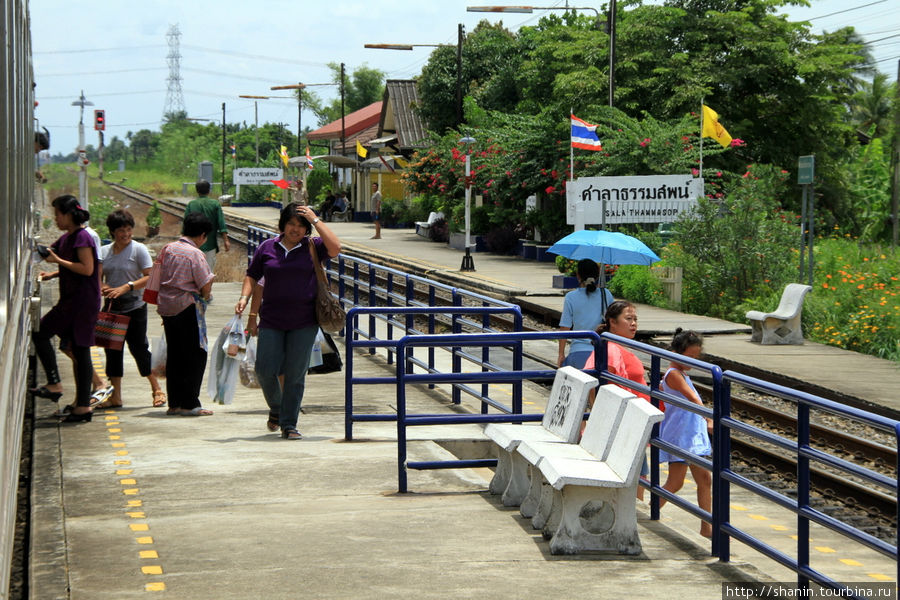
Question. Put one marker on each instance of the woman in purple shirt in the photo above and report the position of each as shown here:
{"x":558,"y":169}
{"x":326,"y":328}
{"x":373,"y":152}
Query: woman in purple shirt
{"x":75,"y":314}
{"x":287,"y":317}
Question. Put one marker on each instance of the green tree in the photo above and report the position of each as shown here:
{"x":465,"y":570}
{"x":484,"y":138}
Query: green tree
{"x":873,"y":105}
{"x":362,"y":88}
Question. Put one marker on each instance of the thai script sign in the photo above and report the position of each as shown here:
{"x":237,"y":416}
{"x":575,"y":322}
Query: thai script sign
{"x":638,"y":199}
{"x":257,"y":175}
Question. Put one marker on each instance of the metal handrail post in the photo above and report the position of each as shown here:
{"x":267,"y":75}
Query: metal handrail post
{"x":373,"y":301}
{"x":390,"y":327}
{"x":655,"y":380}
{"x":401,"y":420}
{"x":456,"y":360}
{"x":349,"y":336}
{"x":803,"y":495}
{"x":432,"y":296}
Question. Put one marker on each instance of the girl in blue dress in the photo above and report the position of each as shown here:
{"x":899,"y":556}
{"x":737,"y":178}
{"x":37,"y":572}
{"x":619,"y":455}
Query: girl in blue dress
{"x":686,"y":429}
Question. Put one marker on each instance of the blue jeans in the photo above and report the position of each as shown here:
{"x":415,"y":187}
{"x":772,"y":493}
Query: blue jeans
{"x":284,"y":352}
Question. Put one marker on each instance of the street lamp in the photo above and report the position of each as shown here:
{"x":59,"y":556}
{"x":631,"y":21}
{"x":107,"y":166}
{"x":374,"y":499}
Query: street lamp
{"x":611,"y":28}
{"x":468,"y":264}
{"x":460,"y":34}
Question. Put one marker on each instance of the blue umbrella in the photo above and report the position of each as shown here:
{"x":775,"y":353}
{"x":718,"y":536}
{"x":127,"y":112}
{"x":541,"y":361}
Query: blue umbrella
{"x":605,"y":247}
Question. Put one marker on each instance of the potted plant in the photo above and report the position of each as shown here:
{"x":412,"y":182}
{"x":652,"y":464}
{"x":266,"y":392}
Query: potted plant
{"x":568,"y":279}
{"x":154,"y":220}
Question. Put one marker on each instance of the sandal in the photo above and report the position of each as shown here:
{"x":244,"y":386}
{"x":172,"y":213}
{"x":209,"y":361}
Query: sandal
{"x":173,"y":411}
{"x":106,"y":404}
{"x":197,"y":411}
{"x":43,"y":392}
{"x":272,"y":424}
{"x":101,"y":395}
{"x":160,"y":399}
{"x":290,"y":433}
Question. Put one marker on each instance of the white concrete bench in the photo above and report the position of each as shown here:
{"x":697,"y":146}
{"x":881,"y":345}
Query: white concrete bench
{"x":561,"y":424}
{"x":587,"y":499}
{"x":783,"y":325}
{"x":342,"y":216}
{"x":424,"y":227}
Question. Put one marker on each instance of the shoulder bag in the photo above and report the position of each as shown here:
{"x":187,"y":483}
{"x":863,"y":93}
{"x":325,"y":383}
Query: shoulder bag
{"x":110,"y":330}
{"x":329,"y":312}
{"x":151,"y":290}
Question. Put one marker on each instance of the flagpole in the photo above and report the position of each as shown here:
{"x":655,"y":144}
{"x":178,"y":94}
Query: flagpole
{"x":701,"y":137}
{"x":571,"y":149}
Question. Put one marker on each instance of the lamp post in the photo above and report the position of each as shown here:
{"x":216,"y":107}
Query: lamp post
{"x":299,"y":87}
{"x":610,"y":29}
{"x":468,"y":264}
{"x":460,"y":35}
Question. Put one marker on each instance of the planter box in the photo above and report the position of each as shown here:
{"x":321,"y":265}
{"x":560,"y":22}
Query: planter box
{"x":458,"y":242}
{"x":543,"y":255}
{"x":529,"y":251}
{"x":565,"y":282}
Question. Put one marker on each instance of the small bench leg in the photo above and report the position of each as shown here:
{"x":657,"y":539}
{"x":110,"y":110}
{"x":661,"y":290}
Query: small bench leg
{"x":518,"y":481}
{"x":501,"y":474}
{"x":596,"y":519}
{"x":530,"y":503}
{"x":554,"y":516}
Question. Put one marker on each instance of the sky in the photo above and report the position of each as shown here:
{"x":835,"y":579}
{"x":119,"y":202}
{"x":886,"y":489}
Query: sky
{"x":116,"y":52}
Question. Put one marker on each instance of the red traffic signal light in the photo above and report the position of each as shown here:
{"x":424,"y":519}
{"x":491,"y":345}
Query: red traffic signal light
{"x":100,"y":120}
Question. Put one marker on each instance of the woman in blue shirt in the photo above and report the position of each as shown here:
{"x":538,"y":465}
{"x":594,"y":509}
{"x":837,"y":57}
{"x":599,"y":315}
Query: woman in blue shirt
{"x":582,"y":311}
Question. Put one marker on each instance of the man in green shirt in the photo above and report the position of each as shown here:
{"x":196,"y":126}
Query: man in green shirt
{"x":213,"y":211}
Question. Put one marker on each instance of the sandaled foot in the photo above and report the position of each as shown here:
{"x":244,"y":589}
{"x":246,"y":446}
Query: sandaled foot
{"x":160,"y":399}
{"x":43,"y":392}
{"x":290,"y":433}
{"x":101,"y":395}
{"x":173,"y":411}
{"x":272,"y":424}
{"x":198,"y":411}
{"x":108,"y":403}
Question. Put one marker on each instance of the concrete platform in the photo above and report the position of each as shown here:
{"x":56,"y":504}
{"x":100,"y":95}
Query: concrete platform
{"x":136,"y":502}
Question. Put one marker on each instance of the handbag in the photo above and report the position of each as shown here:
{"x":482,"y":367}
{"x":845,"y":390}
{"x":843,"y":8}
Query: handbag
{"x":110,"y":330}
{"x":151,"y":290}
{"x":329,"y":312}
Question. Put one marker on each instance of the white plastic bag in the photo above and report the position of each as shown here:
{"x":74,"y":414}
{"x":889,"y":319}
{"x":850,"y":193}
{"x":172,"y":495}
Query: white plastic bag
{"x":315,"y":357}
{"x":158,"y":358}
{"x":247,"y":368}
{"x":223,"y":369}
{"x":234,"y":339}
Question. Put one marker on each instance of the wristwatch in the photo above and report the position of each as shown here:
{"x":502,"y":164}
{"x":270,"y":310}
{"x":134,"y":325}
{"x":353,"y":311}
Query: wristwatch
{"x":131,"y":285}
{"x":316,"y":220}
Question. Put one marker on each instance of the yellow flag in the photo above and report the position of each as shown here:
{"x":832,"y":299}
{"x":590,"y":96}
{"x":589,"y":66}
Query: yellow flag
{"x":401,"y":162}
{"x":284,"y":156}
{"x":360,"y":150}
{"x":713,"y":129}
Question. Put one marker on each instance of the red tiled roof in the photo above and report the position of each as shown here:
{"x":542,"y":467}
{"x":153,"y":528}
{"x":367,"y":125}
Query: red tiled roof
{"x":355,"y":122}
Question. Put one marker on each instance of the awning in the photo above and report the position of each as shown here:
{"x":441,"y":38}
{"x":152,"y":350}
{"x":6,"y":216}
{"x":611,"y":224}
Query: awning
{"x":382,"y":141}
{"x":335,"y":159}
{"x":383,"y":163}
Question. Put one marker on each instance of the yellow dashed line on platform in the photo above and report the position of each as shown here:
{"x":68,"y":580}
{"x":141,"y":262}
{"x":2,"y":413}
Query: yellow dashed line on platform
{"x":851,"y":563}
{"x":155,"y":587}
{"x":152,"y":570}
{"x":758,"y":517}
{"x":149,"y":554}
{"x":139,"y":527}
{"x":880,"y":576}
{"x":825,"y":549}
{"x":144,"y":540}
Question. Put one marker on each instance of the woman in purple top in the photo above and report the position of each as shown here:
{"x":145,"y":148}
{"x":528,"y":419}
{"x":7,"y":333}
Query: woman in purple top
{"x":75,"y":314}
{"x":287,"y":317}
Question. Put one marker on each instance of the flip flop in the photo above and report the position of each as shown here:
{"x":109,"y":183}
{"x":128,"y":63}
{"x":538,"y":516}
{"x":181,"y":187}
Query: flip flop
{"x":197,"y":411}
{"x":106,"y":404}
{"x":160,"y":398}
{"x":101,"y":395}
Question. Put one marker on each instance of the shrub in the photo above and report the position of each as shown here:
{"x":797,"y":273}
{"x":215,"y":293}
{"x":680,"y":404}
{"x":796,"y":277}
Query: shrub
{"x":420,"y":207}
{"x":154,"y":219}
{"x":439,"y":231}
{"x":100,"y":209}
{"x":637,"y":283}
{"x":566,"y":266}
{"x":502,"y":240}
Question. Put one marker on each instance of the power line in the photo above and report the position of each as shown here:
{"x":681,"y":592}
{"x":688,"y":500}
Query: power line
{"x":43,"y":75}
{"x":83,"y":50}
{"x":847,"y":10}
{"x":259,"y":56}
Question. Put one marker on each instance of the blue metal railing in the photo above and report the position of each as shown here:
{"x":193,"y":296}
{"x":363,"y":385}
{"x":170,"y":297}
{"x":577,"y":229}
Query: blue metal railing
{"x":805,"y":456}
{"x":458,"y":316}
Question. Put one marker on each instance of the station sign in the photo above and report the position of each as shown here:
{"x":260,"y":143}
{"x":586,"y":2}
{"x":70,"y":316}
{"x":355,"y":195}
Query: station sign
{"x":633,"y":199}
{"x":256,"y":175}
{"x":806,"y":167}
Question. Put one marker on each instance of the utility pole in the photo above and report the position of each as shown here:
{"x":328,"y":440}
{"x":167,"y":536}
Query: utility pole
{"x":224,"y":148}
{"x":895,"y":192}
{"x":461,"y":32}
{"x":82,"y":154}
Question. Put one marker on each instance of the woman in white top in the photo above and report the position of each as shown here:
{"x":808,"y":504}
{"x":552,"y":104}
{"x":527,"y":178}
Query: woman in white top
{"x":125,"y":268}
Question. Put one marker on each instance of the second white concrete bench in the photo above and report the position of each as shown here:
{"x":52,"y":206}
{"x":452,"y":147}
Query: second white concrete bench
{"x":587,"y":500}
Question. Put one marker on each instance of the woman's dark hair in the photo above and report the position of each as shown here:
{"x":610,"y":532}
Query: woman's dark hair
{"x":588,"y":270}
{"x":119,"y":218}
{"x":196,"y":223}
{"x":68,"y":204}
{"x":682,"y":340}
{"x":612,"y":312}
{"x":290,"y":212}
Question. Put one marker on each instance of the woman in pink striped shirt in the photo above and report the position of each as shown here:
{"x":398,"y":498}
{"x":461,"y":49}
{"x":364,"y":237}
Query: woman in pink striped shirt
{"x":184,"y":292}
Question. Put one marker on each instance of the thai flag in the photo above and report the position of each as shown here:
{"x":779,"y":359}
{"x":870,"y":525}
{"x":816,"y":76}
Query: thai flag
{"x":584,"y":135}
{"x":309,"y":162}
{"x":233,"y":151}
